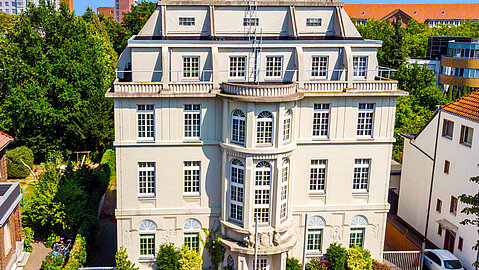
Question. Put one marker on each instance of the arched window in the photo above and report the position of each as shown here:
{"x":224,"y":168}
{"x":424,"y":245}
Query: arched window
{"x":357,"y":231}
{"x":284,"y":188}
{"x":287,"y":126}
{"x":238,"y":127}
{"x":237,"y":190}
{"x":147,"y":231}
{"x":315,"y":235}
{"x":264,"y":128}
{"x":262,"y":186}
{"x":191,"y":229}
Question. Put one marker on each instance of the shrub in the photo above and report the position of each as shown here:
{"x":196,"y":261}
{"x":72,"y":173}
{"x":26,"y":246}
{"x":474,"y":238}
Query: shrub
{"x":167,"y":257}
{"x":337,"y":256}
{"x":317,"y":264}
{"x":28,"y":242}
{"x":359,"y":259}
{"x":122,"y":262}
{"x":15,"y":167}
{"x":379,"y":266}
{"x":52,"y":263}
{"x":189,"y":259}
{"x":78,"y":254}
{"x":51,"y":239}
{"x":108,"y":160}
{"x":214,"y":247}
{"x":293,"y":264}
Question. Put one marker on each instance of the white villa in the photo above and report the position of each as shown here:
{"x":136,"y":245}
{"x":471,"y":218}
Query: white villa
{"x":451,"y":161}
{"x":227,"y":111}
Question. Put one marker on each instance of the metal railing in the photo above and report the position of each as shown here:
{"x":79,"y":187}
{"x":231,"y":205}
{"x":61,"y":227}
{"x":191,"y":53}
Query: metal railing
{"x":402,"y":260}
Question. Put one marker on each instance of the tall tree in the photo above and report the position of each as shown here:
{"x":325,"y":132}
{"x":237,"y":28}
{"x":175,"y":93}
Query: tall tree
{"x":136,"y":18}
{"x":55,"y":68}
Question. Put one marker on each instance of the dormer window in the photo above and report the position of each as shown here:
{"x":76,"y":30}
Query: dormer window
{"x":250,"y":21}
{"x":313,"y":21}
{"x":187,"y":21}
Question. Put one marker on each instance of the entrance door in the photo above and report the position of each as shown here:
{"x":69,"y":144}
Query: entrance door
{"x":449,"y":240}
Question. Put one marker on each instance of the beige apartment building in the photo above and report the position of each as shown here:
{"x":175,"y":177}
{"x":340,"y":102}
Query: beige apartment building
{"x":229,"y":111}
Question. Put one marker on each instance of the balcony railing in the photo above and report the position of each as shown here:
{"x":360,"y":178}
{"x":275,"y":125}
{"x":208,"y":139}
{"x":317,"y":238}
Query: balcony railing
{"x":259,"y":90}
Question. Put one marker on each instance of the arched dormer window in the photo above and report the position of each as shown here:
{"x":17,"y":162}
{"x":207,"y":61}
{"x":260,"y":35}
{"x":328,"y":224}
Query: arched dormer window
{"x":264,"y":128}
{"x":191,"y":230}
{"x":262,"y":189}
{"x":315,"y":235}
{"x":287,"y":126}
{"x":238,"y":127}
{"x":357,"y":231}
{"x":147,"y":231}
{"x":237,"y":190}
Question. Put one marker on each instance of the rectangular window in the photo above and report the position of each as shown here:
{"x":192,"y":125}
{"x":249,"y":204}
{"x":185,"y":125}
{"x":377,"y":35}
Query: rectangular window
{"x":7,"y":238}
{"x":237,"y":66}
{"x":453,"y":206}
{"x":287,"y":127}
{"x":466,"y":135}
{"x":146,"y":122}
{"x":360,"y":66}
{"x":314,"y":240}
{"x":438,"y":206}
{"x":236,"y":191}
{"x":262,"y":194}
{"x":186,"y":21}
{"x":447,"y":164}
{"x":6,"y":4}
{"x":264,"y":128}
{"x":361,"y":175}
{"x":191,"y":173}
{"x":447,"y":129}
{"x":460,"y":243}
{"x":319,"y":67}
{"x":250,"y":21}
{"x":262,"y":263}
{"x":274,"y":66}
{"x":356,"y":237}
{"x":146,"y":178}
{"x":365,"y":120}
{"x":192,"y":240}
{"x":317,"y":179}
{"x":191,"y":67}
{"x":313,"y":21}
{"x":321,"y":120}
{"x":284,"y":190}
{"x":439,"y":230}
{"x":147,"y":245}
{"x":192,"y":115}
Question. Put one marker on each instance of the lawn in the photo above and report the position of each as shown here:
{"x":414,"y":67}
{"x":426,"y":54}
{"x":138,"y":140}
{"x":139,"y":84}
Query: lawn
{"x":27,"y":186}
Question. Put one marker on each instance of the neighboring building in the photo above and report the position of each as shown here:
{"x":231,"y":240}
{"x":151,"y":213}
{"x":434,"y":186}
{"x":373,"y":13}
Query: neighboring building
{"x":122,"y":6}
{"x":456,"y":161}
{"x":433,"y":14}
{"x":460,"y":66}
{"x":18,"y":6}
{"x":4,"y":141}
{"x":107,"y":12}
{"x":274,"y":110}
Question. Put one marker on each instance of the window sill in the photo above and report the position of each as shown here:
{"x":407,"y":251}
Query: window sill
{"x":368,"y":138}
{"x":452,"y":214}
{"x":466,"y":145}
{"x":146,"y":259}
{"x":317,"y":194}
{"x":146,"y":197}
{"x":447,"y":137}
{"x":195,"y":195}
{"x":264,"y":145}
{"x":321,"y":138}
{"x":145,"y":141}
{"x":360,"y":193}
{"x":313,"y":254}
{"x":192,"y":140}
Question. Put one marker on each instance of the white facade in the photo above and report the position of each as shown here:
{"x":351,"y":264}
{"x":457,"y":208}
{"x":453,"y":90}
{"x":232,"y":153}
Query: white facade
{"x":455,"y":164}
{"x":200,"y":145}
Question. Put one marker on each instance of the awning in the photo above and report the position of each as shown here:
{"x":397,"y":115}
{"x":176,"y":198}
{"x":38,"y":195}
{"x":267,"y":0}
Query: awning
{"x":447,"y":225}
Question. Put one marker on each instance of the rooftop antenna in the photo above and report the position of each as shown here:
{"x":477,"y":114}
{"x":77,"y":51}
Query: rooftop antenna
{"x":250,"y":23}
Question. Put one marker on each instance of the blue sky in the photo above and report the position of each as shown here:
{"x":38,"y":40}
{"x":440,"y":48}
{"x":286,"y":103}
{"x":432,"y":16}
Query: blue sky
{"x":81,"y":5}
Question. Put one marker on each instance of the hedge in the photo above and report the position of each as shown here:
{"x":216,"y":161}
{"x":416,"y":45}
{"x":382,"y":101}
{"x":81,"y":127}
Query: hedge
{"x":108,"y":160}
{"x":78,"y":254}
{"x":15,"y":167}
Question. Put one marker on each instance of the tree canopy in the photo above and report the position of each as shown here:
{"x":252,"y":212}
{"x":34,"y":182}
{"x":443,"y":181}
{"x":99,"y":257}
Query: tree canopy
{"x":55,"y":68}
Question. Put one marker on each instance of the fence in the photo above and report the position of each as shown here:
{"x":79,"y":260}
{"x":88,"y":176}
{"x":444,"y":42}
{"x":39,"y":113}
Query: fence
{"x":402,"y":260}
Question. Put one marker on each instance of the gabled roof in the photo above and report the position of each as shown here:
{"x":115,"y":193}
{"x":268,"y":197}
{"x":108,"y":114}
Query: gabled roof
{"x":4,"y":140}
{"x":419,"y":12}
{"x":467,"y":106}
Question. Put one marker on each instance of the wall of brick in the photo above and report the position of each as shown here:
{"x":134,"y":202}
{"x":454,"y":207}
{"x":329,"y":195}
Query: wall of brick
{"x":3,"y":166}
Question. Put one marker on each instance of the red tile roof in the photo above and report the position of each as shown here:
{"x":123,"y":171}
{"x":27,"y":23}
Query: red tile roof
{"x":4,"y":140}
{"x":467,"y":106}
{"x":419,"y":12}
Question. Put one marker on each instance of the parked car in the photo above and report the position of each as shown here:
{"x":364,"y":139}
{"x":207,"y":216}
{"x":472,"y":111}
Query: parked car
{"x":440,"y":259}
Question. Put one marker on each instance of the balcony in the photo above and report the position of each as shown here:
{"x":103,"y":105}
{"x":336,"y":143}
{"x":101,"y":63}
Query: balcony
{"x":259,"y":90}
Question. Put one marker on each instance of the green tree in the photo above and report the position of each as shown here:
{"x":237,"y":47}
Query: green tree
{"x":116,"y":32}
{"x":359,"y":259}
{"x":6,"y":22}
{"x":122,"y":262}
{"x":55,"y":68}
{"x":167,"y":257}
{"x":293,"y":264}
{"x":337,"y":256}
{"x":213,"y":245}
{"x":472,"y":209}
{"x":189,"y":259}
{"x":15,"y":166}
{"x":136,"y":18}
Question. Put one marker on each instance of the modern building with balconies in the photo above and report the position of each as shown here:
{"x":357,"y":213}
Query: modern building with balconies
{"x":460,"y":66}
{"x":236,"y":112}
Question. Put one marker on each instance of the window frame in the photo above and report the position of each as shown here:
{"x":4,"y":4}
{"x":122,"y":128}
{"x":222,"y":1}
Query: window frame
{"x":195,"y":115}
{"x":149,"y":166}
{"x":287,"y":126}
{"x":460,"y":243}
{"x":147,"y":112}
{"x":147,"y":236}
{"x":241,"y":123}
{"x":445,"y":129}
{"x":239,"y":186}
{"x":195,"y":184}
{"x":438,"y":205}
{"x":236,"y":69}
{"x":357,"y":71}
{"x":314,"y":22}
{"x":274,"y":66}
{"x":360,"y":181}
{"x":354,"y":241}
{"x":187,"y":21}
{"x":466,"y":134}
{"x":267,"y":126}
{"x":284,"y":189}
{"x":447,"y":166}
{"x":362,"y":120}
{"x":264,"y":191}
{"x":192,"y":236}
{"x":319,"y":68}
{"x":319,"y":113}
{"x":453,"y":206}
{"x":193,"y":75}
{"x":250,"y":21}
{"x":318,"y":167}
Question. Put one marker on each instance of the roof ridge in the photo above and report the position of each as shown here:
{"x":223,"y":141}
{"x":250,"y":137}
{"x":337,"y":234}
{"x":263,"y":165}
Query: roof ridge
{"x":6,"y":135}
